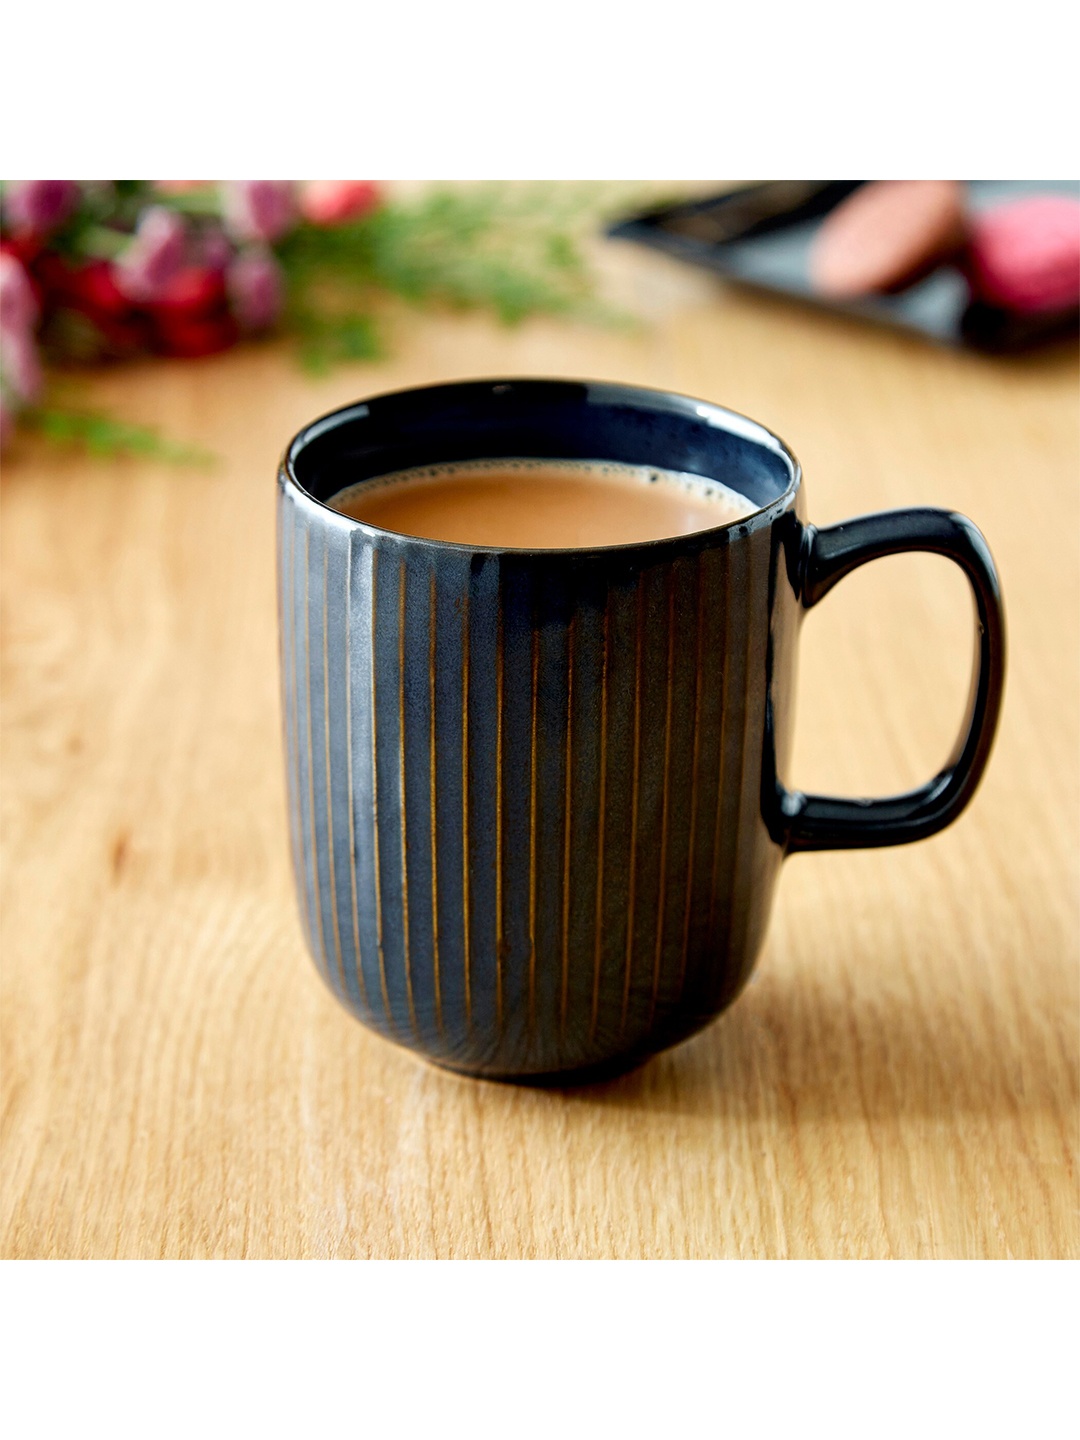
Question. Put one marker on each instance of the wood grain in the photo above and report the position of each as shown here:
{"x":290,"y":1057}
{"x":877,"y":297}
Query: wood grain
{"x":899,"y":1080}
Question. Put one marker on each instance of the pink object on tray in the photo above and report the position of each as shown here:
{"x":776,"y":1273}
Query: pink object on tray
{"x":886,"y":235}
{"x":1025,"y":256}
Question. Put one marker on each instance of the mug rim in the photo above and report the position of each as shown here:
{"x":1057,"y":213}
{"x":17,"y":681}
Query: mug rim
{"x":733,"y":422}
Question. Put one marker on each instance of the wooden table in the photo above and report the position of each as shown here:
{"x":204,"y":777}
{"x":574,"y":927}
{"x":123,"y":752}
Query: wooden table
{"x":899,"y":1080}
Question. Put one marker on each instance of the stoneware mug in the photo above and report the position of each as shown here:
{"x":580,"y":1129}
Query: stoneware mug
{"x":536,"y":797}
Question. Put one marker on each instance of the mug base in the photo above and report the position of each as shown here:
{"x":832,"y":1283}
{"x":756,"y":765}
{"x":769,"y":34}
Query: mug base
{"x":664,"y":1037}
{"x":555,"y":1079}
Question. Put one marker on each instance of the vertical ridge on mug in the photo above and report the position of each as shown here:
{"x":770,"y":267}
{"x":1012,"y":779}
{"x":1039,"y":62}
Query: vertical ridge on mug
{"x":286,"y":618}
{"x":354,"y":907}
{"x":515,"y":792}
{"x":679,"y":744}
{"x":433,"y":855}
{"x":386,"y":741}
{"x":585,"y":848}
{"x":739,"y":636}
{"x":483,"y":591}
{"x":403,"y":802}
{"x":314,"y":849}
{"x":665,"y":791}
{"x":361,"y":736}
{"x":332,"y":838}
{"x":716,"y":576}
{"x":697,"y":586}
{"x":756,"y":863}
{"x":451,"y":764}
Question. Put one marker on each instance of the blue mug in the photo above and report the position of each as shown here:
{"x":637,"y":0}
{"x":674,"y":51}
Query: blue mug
{"x":536,"y":797}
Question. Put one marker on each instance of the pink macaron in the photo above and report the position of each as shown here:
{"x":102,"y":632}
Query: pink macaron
{"x":886,"y":235}
{"x":1025,"y":256}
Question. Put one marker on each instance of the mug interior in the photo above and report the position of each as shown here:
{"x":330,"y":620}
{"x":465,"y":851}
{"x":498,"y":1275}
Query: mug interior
{"x":543,"y":420}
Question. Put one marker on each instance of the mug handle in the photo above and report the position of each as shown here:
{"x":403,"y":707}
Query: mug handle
{"x":821,"y":822}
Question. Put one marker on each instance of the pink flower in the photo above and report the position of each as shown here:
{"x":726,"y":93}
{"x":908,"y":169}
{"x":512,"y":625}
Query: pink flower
{"x":154,"y":256}
{"x":36,"y":206}
{"x":215,"y":249}
{"x":256,"y":289}
{"x":18,"y":306}
{"x":20,"y":368}
{"x":21,"y":380}
{"x":258,"y":209}
{"x":331,"y":202}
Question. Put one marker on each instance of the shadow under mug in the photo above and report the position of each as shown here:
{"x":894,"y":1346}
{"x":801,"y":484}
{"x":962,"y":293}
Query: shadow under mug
{"x":534,"y":796}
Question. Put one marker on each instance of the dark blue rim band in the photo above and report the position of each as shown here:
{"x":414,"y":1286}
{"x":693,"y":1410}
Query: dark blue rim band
{"x":557,"y":419}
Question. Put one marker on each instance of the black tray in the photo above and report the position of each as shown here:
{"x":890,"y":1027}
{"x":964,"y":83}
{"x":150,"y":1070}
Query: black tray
{"x":760,"y":236}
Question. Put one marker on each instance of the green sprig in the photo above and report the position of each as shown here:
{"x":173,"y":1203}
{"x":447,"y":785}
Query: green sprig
{"x":100,"y":435}
{"x":327,"y":338}
{"x":513,"y":249}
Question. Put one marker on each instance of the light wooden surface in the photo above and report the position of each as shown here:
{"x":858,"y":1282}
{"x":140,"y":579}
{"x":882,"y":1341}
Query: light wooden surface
{"x":899,"y":1080}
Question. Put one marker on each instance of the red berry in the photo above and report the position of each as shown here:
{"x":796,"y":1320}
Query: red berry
{"x":196,"y":290}
{"x":25,"y":248}
{"x":94,"y":285}
{"x":189,"y":336}
{"x":90,"y":287}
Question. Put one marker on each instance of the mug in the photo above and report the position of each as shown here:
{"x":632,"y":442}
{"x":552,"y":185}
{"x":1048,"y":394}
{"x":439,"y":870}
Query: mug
{"x":536,"y":797}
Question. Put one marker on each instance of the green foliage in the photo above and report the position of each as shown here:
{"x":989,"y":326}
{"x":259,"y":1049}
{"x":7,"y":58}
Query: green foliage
{"x":327,"y":338}
{"x":514,"y":249}
{"x":101,"y":226}
{"x":101,"y":435}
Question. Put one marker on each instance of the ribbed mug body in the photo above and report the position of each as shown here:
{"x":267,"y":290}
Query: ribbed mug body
{"x":525,"y":788}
